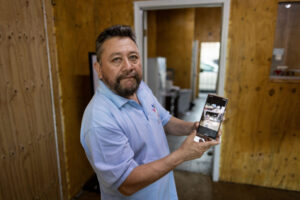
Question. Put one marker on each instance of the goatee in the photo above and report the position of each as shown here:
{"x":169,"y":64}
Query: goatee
{"x":124,"y":91}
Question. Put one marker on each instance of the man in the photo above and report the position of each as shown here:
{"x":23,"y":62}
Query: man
{"x":123,"y":127}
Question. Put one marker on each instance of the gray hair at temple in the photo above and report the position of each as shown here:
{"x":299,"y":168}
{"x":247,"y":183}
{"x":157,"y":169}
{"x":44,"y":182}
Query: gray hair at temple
{"x":113,"y":31}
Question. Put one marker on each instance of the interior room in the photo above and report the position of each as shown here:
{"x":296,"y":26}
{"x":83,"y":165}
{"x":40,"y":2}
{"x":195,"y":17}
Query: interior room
{"x":245,"y":51}
{"x":167,"y":32}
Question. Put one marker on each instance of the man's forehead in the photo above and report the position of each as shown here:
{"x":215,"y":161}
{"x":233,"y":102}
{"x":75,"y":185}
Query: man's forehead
{"x":120,"y":53}
{"x":119,"y":42}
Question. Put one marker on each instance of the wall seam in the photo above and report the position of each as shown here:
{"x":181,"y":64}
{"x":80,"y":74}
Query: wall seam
{"x":52,"y":99}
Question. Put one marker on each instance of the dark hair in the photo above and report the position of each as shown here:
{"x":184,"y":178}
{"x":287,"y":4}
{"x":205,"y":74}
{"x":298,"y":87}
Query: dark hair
{"x":113,"y":31}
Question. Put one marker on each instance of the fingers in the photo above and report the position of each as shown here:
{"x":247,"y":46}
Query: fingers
{"x":219,"y":135}
{"x":192,"y":135}
{"x":207,"y":141}
{"x":216,"y":142}
{"x":193,"y":148}
{"x":213,"y":142}
{"x":194,"y":132}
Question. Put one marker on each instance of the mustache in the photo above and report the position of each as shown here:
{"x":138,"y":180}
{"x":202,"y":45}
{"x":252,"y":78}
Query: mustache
{"x":128,"y":74}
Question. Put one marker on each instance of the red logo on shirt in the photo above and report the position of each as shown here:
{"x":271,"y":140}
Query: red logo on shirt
{"x":153,"y":108}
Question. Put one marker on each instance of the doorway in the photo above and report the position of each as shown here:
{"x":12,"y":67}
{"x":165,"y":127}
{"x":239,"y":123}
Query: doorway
{"x":209,"y":67}
{"x":140,"y":22}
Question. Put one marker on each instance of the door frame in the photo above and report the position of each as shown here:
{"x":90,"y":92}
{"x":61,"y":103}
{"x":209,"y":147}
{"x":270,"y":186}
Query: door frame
{"x":140,"y":21}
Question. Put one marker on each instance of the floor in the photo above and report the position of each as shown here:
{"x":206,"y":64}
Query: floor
{"x":196,"y":186}
{"x":193,"y":178}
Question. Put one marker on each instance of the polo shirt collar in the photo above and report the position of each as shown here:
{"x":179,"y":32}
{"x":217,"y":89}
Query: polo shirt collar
{"x":116,"y":99}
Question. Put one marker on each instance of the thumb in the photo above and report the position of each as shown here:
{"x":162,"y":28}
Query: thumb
{"x":193,"y":134}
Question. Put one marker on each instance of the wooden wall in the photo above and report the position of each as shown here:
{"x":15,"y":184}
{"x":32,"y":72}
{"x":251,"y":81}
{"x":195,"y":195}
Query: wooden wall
{"x":207,"y":29}
{"x":208,"y":24}
{"x":28,"y":154}
{"x":262,"y":131}
{"x":151,"y":33}
{"x":258,"y":108}
{"x":78,"y":24}
{"x":174,"y":37}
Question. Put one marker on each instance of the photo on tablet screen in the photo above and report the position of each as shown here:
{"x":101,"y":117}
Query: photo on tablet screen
{"x":212,"y":116}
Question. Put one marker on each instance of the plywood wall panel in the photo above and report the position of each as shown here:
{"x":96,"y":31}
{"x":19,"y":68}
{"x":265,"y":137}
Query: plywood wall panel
{"x":208,"y":24}
{"x":207,"y":29}
{"x":56,"y":94}
{"x":261,"y":130}
{"x":151,"y":33}
{"x":175,"y":34}
{"x":78,"y":24}
{"x":249,"y":50}
{"x":74,"y":35}
{"x":28,"y":154}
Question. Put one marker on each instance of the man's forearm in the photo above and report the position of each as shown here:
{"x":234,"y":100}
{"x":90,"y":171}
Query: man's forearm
{"x":179,"y":127}
{"x":146,"y":174}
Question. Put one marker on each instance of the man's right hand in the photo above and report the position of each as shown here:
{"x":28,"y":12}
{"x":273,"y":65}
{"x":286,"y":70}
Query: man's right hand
{"x":146,"y":174}
{"x":190,"y":149}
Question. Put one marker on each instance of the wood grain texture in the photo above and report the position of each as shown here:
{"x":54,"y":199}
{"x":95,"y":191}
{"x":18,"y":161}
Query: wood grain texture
{"x":207,"y":29}
{"x":151,"y":34}
{"x":247,"y":85}
{"x":56,"y":95}
{"x":262,"y":129}
{"x":175,"y":34}
{"x":75,"y":37}
{"x":28,"y":154}
{"x":208,"y":24}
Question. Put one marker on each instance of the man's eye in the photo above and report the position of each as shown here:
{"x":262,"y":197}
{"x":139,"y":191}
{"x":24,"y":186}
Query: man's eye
{"x":116,"y":60}
{"x":133,"y":58}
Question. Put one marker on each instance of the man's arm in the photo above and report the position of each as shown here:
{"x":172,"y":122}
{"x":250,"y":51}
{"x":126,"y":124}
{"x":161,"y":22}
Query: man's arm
{"x":179,"y":127}
{"x":146,"y":174}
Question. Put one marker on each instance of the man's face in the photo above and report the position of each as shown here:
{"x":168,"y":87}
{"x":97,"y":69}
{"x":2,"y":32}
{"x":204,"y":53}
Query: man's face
{"x":120,"y":67}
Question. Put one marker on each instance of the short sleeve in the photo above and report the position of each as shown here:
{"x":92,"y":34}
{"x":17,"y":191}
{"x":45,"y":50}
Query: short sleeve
{"x":163,"y":113}
{"x":110,"y":153}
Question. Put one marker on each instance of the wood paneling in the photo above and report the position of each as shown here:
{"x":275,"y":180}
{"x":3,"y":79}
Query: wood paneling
{"x":151,"y":34}
{"x":247,"y":85}
{"x":175,"y":34}
{"x":207,"y":29}
{"x":74,"y":37}
{"x":78,"y":24}
{"x":28,"y":154}
{"x":208,"y":24}
{"x":56,"y":95}
{"x":261,"y":134}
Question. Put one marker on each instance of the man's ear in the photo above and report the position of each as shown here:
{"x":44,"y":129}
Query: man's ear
{"x":98,"y":69}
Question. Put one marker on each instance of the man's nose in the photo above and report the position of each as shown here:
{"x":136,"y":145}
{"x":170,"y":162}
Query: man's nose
{"x":127,"y":64}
